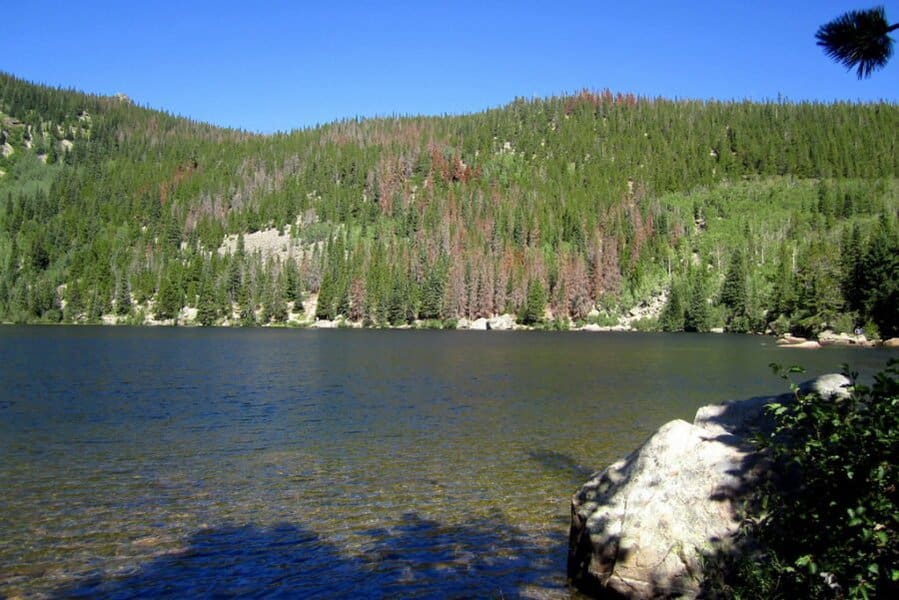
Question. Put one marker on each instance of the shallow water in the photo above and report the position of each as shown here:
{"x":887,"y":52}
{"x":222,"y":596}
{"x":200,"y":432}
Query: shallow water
{"x":296,"y":463}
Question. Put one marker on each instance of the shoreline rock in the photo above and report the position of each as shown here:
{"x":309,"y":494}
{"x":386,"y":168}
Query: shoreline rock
{"x":642,"y":527}
{"x":792,"y":341}
{"x":829,"y":338}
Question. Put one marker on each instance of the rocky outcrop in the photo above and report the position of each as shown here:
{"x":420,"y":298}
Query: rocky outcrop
{"x":829,"y":338}
{"x":641,"y":527}
{"x":503,"y":322}
{"x":891,"y":343}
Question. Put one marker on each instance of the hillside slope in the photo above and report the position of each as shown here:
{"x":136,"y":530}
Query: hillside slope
{"x":571,"y":209}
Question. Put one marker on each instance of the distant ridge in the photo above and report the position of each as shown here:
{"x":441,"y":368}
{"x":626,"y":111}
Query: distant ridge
{"x":569,"y":211}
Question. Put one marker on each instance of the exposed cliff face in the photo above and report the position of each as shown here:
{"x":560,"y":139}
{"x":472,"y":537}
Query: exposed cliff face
{"x":641,"y":527}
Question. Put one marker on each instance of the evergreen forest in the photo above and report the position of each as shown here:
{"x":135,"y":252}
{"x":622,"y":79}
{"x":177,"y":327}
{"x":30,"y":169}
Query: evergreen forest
{"x":564,"y":211}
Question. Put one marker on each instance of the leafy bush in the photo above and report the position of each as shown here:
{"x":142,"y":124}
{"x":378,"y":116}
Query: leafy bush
{"x":828,"y":524}
{"x":780,"y":325}
{"x":844,"y":322}
{"x":556,"y":324}
{"x":645,"y":324}
{"x":429,"y":324}
{"x":603,"y":319}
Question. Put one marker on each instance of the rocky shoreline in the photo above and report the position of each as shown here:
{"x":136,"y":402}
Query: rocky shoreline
{"x":831,"y":338}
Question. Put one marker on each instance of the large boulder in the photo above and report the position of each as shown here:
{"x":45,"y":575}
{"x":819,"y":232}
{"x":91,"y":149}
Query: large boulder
{"x":642,"y":527}
{"x":505,"y":322}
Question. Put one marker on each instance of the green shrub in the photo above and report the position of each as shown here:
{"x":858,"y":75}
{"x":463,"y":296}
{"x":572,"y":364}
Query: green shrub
{"x":871,"y":331}
{"x":603,"y":319}
{"x":645,"y":324}
{"x":557,"y":324}
{"x":828,"y":524}
{"x":429,"y":324}
{"x":780,"y":325}
{"x":844,"y":322}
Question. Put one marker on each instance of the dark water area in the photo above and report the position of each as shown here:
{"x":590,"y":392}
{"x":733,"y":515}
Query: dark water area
{"x":299,"y":463}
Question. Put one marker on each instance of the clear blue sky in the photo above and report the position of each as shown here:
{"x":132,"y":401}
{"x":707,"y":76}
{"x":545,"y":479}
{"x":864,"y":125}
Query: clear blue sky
{"x":268,"y":66}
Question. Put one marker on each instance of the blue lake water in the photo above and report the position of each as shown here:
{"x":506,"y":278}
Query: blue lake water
{"x":297,"y":463}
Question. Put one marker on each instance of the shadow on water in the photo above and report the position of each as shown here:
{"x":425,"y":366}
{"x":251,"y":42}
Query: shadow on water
{"x":418,"y":557}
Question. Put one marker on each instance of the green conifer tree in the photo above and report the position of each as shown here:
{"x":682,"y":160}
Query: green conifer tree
{"x":168,"y":298}
{"x":696,"y":315}
{"x":535,"y":305}
{"x":733,"y":294}
{"x":672,"y":317}
{"x":853,"y":273}
{"x":123,"y":296}
{"x":433,"y":291}
{"x":880,"y":267}
{"x":207,"y":311}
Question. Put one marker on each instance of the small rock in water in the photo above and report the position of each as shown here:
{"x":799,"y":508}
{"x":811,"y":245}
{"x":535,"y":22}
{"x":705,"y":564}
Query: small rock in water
{"x":148,"y":541}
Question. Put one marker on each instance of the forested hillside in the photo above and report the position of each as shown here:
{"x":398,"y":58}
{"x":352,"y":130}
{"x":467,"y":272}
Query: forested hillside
{"x":561,"y":211}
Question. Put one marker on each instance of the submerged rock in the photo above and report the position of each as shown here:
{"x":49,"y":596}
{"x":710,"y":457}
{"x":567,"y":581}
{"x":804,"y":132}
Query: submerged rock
{"x":642,"y":527}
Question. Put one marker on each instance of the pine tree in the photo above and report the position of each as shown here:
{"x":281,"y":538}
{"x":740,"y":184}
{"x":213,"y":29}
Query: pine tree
{"x":853,"y":271}
{"x":880,"y":267}
{"x":433,"y":291}
{"x":672,"y":317}
{"x":325,"y":307}
{"x":818,"y":285}
{"x":784,"y":298}
{"x":207,"y":312}
{"x":398,"y":311}
{"x":74,"y":306}
{"x":733,"y":294}
{"x":94,"y":308}
{"x":123,"y":296}
{"x":168,"y":298}
{"x":275,"y":309}
{"x":235,"y":276}
{"x":535,"y":305}
{"x":223,"y":304}
{"x":292,"y":282}
{"x":696,"y":316}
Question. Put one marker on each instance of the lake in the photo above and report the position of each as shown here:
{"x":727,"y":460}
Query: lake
{"x":301,"y":463}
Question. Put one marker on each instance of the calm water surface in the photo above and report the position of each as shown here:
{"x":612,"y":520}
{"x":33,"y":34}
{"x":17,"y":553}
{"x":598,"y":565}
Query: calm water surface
{"x":183,"y":463}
